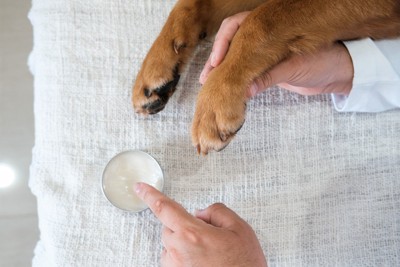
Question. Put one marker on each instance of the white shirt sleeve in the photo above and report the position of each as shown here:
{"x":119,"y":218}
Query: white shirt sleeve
{"x":376,"y":83}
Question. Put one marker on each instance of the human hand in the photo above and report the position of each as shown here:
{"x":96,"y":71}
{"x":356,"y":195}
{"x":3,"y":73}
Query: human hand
{"x":329,"y":70}
{"x":216,"y":236}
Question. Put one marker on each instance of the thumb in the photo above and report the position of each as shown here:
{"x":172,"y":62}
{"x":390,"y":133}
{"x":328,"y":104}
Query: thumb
{"x":220,"y":216}
{"x":280,"y":73}
{"x":259,"y":85}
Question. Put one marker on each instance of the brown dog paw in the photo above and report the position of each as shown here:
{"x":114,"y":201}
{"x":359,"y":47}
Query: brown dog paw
{"x":166,"y":59}
{"x":151,"y":99}
{"x":218,"y":117}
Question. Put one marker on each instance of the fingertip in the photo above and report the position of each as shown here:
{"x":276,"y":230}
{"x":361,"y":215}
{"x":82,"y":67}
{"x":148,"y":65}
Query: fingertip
{"x":206,"y":70}
{"x":140,"y":189}
{"x":202,"y":77}
{"x":218,"y":54}
{"x":219,"y":215}
{"x":252,"y":90}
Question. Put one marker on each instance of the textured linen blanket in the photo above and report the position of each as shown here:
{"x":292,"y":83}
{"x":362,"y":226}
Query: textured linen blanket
{"x":320,"y":188}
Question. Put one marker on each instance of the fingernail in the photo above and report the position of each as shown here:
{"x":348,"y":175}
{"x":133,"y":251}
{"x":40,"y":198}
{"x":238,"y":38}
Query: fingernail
{"x":138,"y":188}
{"x":202,"y":74}
{"x":252,"y":90}
{"x":213,"y":59}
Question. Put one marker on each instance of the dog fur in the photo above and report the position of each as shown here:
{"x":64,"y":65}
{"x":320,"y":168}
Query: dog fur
{"x":273,"y":31}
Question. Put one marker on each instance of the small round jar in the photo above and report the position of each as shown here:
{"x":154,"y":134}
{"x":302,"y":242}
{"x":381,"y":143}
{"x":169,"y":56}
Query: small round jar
{"x":121,"y":174}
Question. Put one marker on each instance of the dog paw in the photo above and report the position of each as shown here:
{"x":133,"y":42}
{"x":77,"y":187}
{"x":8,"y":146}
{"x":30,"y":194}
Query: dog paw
{"x":150,"y":95}
{"x":218,"y":117}
{"x":166,"y":59}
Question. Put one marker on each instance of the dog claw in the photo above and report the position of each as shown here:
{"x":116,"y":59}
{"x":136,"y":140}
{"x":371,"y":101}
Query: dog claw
{"x":201,"y":151}
{"x":198,"y":149}
{"x":178,"y":46}
{"x":147,"y":93}
{"x":202,"y":35}
{"x":223,"y":137}
{"x":222,"y":148}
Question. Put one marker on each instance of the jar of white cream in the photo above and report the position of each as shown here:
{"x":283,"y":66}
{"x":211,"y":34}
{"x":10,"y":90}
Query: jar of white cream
{"x":121,"y":174}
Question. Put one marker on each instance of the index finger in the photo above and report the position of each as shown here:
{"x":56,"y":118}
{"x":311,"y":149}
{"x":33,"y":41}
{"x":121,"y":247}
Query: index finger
{"x":170,"y":213}
{"x":224,"y":36}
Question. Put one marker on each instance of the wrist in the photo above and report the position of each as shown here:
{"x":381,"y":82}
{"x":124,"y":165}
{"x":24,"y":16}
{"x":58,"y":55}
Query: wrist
{"x":345,"y":74}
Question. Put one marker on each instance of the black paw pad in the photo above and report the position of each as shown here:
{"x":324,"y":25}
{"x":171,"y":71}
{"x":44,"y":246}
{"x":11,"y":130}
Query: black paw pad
{"x":163,"y":92}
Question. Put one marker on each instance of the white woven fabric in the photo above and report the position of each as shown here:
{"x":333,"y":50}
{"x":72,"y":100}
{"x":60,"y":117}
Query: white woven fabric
{"x":320,"y":188}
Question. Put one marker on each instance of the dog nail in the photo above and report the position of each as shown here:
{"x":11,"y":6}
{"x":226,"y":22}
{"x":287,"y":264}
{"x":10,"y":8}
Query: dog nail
{"x":178,"y":46}
{"x":198,"y":149}
{"x":222,"y":148}
{"x":147,"y":92}
{"x":202,"y":35}
{"x":223,"y":137}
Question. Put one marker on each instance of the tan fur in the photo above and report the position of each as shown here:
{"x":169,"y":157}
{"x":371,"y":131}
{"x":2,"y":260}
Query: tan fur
{"x":274,"y":30}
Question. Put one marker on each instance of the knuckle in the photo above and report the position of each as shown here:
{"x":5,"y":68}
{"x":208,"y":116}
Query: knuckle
{"x":191,"y":235}
{"x":159,"y":205}
{"x":217,"y":206}
{"x":174,"y":254}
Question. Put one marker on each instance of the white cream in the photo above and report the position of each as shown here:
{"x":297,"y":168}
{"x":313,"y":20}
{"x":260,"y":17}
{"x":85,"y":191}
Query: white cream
{"x":123,"y":172}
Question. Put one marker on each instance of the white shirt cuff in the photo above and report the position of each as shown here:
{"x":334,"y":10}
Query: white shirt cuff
{"x":376,"y":84}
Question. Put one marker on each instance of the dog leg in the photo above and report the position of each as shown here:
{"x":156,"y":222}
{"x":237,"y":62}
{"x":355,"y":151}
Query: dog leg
{"x":271,"y":33}
{"x":188,"y":23}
